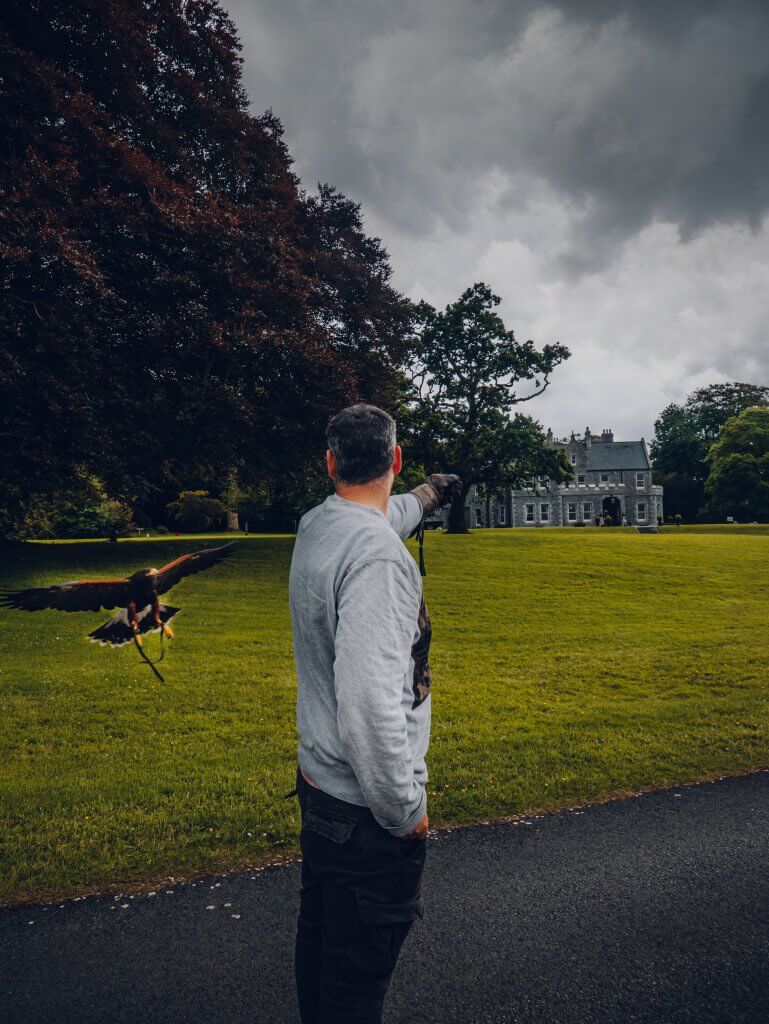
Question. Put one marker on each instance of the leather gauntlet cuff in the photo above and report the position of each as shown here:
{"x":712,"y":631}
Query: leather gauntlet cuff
{"x":438,"y":489}
{"x":428,"y":498}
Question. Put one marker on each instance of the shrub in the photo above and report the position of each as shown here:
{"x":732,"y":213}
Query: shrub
{"x":82,"y":509}
{"x":115,"y":518}
{"x":196,"y":510}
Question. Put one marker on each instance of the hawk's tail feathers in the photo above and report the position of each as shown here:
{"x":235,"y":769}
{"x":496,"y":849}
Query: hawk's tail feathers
{"x":117,"y":630}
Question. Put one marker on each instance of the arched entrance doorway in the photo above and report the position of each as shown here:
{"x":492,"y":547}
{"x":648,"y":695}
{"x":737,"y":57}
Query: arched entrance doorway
{"x":612,"y":507}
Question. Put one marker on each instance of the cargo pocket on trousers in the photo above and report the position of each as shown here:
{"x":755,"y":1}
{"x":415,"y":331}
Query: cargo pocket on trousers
{"x":328,"y":822}
{"x":379,"y":912}
{"x":382,"y":929}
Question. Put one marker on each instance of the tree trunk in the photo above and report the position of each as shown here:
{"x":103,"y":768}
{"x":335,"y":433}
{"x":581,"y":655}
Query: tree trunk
{"x":457,"y":517}
{"x":231,"y":501}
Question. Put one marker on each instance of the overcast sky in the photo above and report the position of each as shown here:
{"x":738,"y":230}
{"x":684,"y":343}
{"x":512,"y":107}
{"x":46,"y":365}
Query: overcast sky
{"x":602,"y":164}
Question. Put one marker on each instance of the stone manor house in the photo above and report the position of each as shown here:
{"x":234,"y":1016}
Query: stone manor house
{"x":612,"y":480}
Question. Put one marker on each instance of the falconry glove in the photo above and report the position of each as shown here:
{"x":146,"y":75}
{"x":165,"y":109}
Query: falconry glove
{"x":438,"y":489}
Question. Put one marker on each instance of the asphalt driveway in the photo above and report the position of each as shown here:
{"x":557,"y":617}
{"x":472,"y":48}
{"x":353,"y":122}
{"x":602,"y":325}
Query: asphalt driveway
{"x":651,"y":909}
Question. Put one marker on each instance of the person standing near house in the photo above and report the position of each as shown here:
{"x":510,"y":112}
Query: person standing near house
{"x":361,"y":642}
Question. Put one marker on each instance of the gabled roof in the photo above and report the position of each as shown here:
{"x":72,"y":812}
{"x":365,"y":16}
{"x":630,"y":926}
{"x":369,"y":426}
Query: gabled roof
{"x":617,"y":455}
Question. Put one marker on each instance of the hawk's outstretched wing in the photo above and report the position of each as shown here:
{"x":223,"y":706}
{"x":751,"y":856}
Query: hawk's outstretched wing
{"x":188,"y":565}
{"x":76,"y":596}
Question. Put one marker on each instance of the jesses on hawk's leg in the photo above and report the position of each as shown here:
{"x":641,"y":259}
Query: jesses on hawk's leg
{"x":164,"y":629}
{"x":138,"y":639}
{"x":134,"y":622}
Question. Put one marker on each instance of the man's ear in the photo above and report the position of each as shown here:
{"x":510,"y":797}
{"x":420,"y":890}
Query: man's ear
{"x":397,"y":460}
{"x":330,"y":463}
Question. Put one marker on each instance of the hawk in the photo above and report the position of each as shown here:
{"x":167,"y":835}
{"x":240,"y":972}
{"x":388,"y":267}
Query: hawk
{"x":137,"y":597}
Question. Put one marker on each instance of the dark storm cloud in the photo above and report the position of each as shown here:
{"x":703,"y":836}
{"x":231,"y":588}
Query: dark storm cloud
{"x":631,"y":111}
{"x":602,"y":164}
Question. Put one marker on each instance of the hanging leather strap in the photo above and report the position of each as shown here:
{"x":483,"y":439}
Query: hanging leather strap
{"x":420,"y":536}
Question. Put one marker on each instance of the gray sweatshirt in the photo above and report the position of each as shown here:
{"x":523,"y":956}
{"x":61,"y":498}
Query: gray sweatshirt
{"x":354,"y":594}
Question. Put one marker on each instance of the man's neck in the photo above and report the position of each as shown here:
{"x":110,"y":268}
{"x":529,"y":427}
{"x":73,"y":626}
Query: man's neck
{"x":363,"y":494}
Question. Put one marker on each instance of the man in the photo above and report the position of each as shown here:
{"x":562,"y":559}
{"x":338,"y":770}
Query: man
{"x":361,"y":644}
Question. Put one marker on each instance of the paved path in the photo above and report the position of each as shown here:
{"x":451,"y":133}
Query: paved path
{"x":653,"y":909}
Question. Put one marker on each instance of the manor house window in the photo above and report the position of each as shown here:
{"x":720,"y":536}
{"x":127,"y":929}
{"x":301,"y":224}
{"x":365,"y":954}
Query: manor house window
{"x":587,"y":510}
{"x":573,"y":458}
{"x":604,"y":478}
{"x":529,"y":513}
{"x":478,"y":517}
{"x":544,"y":513}
{"x":641,"y":511}
{"x":639,"y":479}
{"x":501,"y":515}
{"x":580,"y":479}
{"x":571,"y":513}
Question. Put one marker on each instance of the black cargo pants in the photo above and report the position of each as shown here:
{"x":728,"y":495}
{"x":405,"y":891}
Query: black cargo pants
{"x":360,"y":895}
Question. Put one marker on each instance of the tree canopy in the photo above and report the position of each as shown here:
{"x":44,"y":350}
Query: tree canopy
{"x":173,"y":304}
{"x":468,"y":373}
{"x":683,"y":435}
{"x":738,"y":484}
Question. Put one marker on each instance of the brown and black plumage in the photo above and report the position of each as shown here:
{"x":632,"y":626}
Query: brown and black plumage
{"x":137,"y":597}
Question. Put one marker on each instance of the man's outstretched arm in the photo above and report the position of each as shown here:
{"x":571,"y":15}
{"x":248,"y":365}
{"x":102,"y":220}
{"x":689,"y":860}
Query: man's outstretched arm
{"x":405,"y":514}
{"x":377,"y":609}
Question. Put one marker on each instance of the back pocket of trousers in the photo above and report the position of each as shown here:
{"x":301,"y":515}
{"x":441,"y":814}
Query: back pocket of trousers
{"x":328,"y":822}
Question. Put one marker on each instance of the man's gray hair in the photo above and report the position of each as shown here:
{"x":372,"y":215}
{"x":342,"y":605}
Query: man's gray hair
{"x":362,"y":438}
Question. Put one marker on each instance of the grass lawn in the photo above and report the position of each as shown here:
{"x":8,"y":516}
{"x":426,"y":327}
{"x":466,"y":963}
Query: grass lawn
{"x":568,"y":665}
{"x":752,"y":529}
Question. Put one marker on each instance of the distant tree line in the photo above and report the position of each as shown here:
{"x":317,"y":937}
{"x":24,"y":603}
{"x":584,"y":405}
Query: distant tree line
{"x":179,"y":318}
{"x":711,"y":453}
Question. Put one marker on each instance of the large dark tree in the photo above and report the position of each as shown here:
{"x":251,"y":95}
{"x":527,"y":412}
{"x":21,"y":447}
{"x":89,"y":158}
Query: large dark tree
{"x":173,"y":306}
{"x":683,"y":435}
{"x":468,"y":374}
